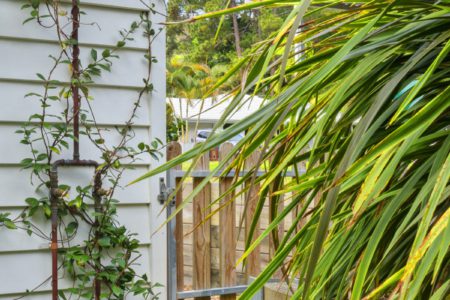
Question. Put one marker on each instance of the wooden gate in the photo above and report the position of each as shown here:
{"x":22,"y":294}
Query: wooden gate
{"x":206,"y":245}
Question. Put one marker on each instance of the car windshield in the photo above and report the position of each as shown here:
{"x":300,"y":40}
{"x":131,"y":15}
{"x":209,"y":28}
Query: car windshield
{"x":237,"y":138}
{"x":204,"y":134}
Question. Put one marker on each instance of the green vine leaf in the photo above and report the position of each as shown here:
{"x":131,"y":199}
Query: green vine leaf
{"x":35,"y":4}
{"x":94,"y":54}
{"x":40,"y":76}
{"x":9,"y":224}
{"x":105,"y":241}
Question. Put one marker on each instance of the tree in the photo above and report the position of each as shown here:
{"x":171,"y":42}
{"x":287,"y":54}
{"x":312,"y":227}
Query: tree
{"x":370,"y":95}
{"x":188,"y":80}
{"x":216,"y":43}
{"x":237,"y":35}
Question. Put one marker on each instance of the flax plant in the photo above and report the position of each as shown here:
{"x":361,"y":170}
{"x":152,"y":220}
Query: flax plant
{"x":364,"y":104}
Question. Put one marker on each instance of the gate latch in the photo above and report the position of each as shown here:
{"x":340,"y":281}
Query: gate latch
{"x":165,"y":193}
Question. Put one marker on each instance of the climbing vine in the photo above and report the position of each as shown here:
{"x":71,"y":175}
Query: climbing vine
{"x":101,"y":259}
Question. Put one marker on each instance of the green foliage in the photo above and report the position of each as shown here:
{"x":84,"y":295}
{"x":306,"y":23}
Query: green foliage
{"x":365,"y":107}
{"x":269,"y":21}
{"x":211,"y":44}
{"x":187,"y":80}
{"x":6,"y":221}
{"x":196,"y":41}
{"x":175,"y":125}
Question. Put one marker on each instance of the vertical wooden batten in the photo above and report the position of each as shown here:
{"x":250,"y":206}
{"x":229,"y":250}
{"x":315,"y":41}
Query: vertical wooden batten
{"x":227,"y":232}
{"x":201,"y":235}
{"x":253,"y":266}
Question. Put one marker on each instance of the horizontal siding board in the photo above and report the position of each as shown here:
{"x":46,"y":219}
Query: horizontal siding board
{"x":13,"y":272}
{"x":38,"y":269}
{"x":36,"y":296}
{"x":22,"y":60}
{"x":16,"y":186}
{"x":14,"y":152}
{"x":17,"y":108}
{"x":104,"y":29}
{"x":133,"y":5}
{"x":135,"y":218}
{"x":46,"y":295}
{"x":62,"y":83}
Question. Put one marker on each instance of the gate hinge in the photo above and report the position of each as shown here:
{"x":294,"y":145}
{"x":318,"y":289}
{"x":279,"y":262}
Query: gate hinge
{"x":165,"y":193}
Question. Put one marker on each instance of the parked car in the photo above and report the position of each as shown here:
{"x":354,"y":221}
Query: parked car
{"x":203,"y":134}
{"x":234,"y":140}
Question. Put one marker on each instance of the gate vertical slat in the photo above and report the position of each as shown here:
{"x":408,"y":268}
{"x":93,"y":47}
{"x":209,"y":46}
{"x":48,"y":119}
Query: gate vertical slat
{"x":295,"y":212}
{"x":227,"y":232}
{"x":279,"y":229}
{"x":253,"y":265}
{"x":173,"y":150}
{"x":202,"y":235}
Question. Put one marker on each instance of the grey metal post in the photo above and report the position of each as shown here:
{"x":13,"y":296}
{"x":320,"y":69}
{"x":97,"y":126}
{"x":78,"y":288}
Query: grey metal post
{"x":259,"y":294}
{"x":171,"y":244}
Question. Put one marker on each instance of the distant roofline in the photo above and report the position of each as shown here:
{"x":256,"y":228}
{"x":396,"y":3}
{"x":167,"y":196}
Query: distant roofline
{"x":210,"y":110}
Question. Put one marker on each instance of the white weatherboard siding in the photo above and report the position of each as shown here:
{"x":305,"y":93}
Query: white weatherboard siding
{"x":24,"y":50}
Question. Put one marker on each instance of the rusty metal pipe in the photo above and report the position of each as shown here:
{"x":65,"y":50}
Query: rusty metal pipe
{"x":55,"y":195}
{"x":75,"y":78}
{"x":98,"y":209}
{"x":75,"y":162}
{"x":54,"y":242}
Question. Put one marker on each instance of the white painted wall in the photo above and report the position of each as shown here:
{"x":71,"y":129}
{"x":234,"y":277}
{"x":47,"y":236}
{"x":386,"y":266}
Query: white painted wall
{"x":24,"y":49}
